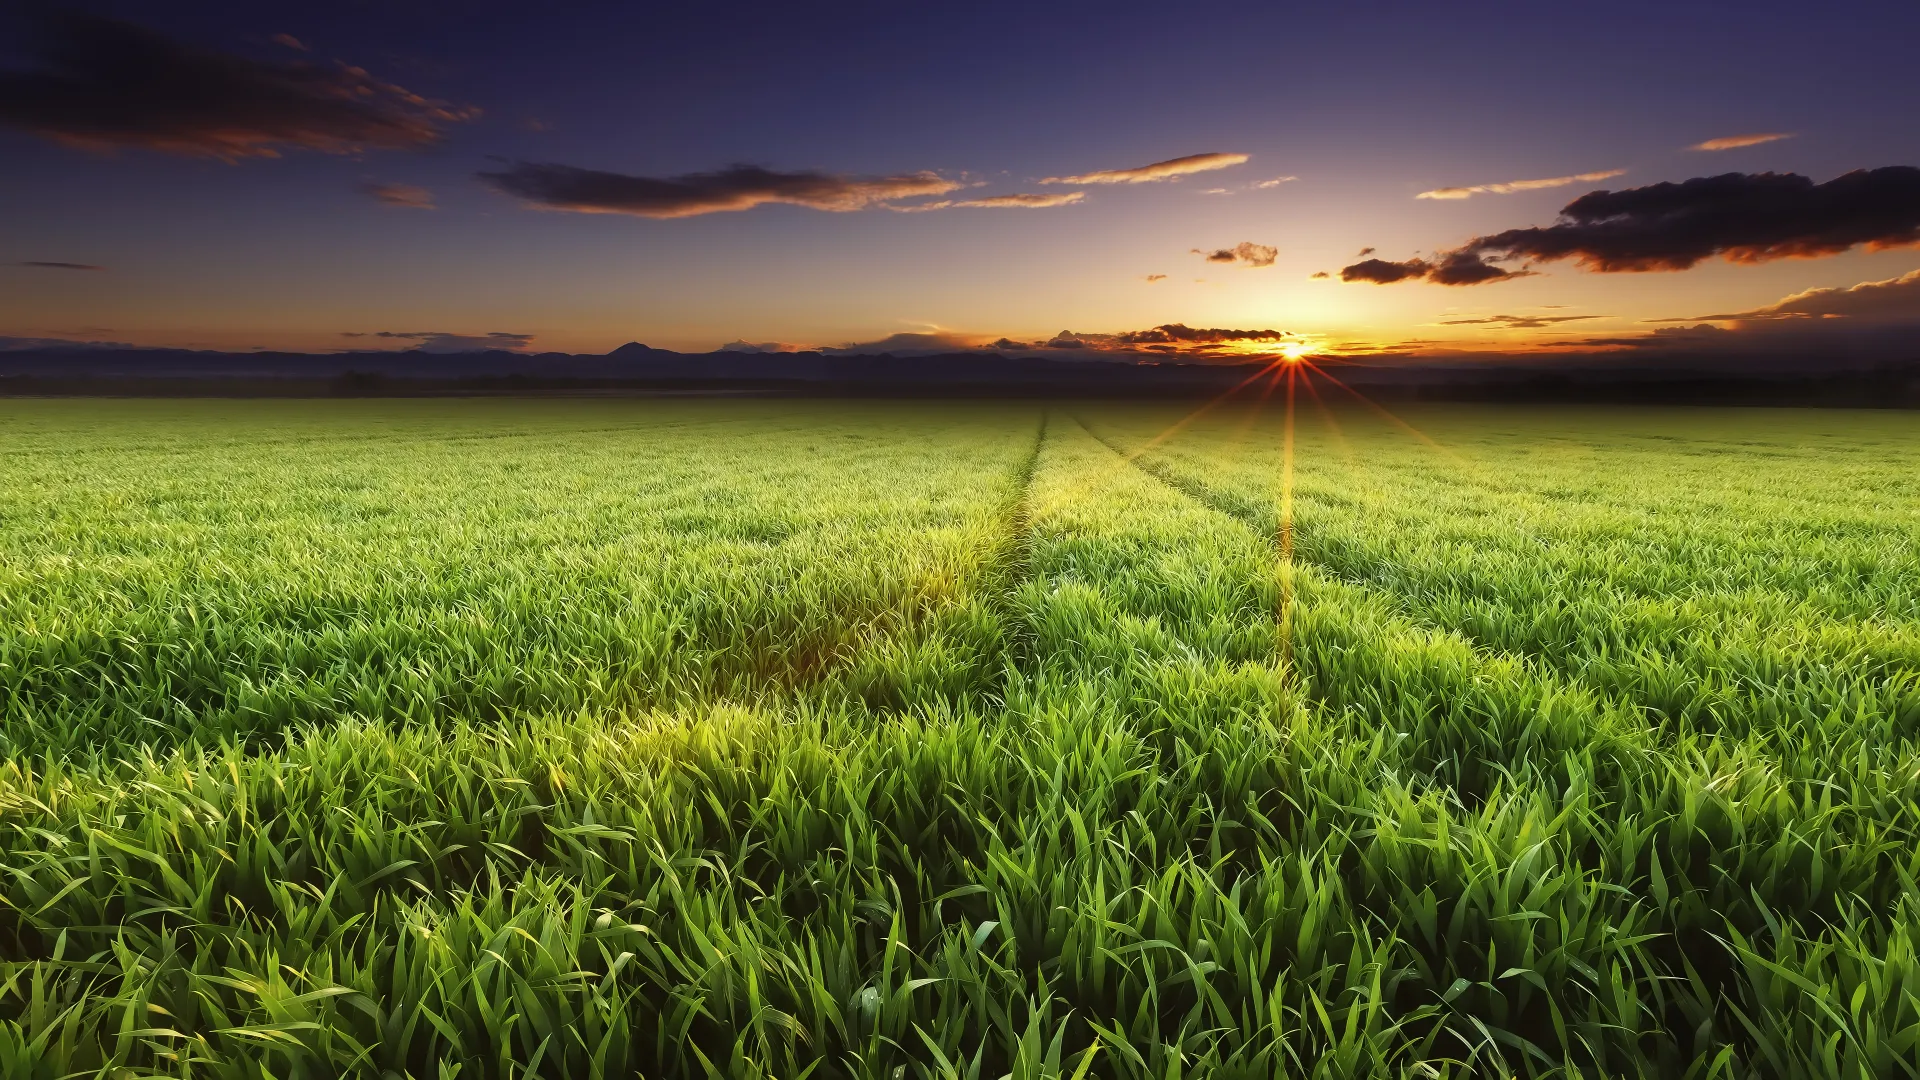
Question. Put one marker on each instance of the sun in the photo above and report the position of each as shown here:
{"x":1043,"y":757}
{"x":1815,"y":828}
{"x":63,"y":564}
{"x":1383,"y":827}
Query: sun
{"x":1293,"y":352}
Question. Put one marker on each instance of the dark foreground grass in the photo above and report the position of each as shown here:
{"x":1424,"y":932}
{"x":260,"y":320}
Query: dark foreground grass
{"x":787,"y":739}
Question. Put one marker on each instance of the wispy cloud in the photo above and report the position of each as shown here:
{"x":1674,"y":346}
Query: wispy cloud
{"x":743,"y":346}
{"x":738,"y":187}
{"x":1152,"y":278}
{"x":1512,"y":186}
{"x":402,"y":195}
{"x":1735,"y":142}
{"x":1274,"y":182}
{"x":1024,"y":201}
{"x":290,"y":42}
{"x":1520,"y":322}
{"x":440,"y":341}
{"x":1892,"y":300}
{"x":1248,"y":252}
{"x":47,"y":264}
{"x":103,"y":83}
{"x":1171,"y":169}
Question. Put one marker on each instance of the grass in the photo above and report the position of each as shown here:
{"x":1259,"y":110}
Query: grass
{"x":604,"y":738}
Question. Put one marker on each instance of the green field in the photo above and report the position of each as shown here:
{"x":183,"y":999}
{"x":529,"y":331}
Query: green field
{"x":779,"y":739}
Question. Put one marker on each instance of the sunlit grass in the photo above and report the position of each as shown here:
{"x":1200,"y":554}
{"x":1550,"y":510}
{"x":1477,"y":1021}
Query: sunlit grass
{"x":783,"y":739}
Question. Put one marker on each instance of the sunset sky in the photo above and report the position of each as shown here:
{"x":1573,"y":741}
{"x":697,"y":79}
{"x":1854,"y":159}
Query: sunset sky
{"x":318,"y":175}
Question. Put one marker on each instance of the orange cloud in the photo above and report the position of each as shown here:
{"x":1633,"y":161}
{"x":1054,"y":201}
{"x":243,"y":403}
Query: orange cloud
{"x":1171,"y":169}
{"x":1512,"y":186}
{"x":1735,"y":142}
{"x":406,"y":196}
{"x":1893,"y":300}
{"x":1023,"y":201}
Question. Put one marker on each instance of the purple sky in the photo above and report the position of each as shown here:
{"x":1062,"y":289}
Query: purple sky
{"x":749,"y":170}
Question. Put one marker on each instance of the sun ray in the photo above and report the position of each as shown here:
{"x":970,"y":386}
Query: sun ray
{"x":1397,"y":421}
{"x":1180,"y":425}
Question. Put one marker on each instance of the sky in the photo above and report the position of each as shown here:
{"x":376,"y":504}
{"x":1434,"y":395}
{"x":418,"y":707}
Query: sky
{"x":1170,"y":178}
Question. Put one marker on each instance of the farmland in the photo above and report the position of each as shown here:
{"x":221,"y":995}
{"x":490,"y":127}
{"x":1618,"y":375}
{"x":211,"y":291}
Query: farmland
{"x":783,"y":738}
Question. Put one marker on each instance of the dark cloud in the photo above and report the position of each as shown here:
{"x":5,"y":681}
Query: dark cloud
{"x":444,"y":342}
{"x":743,"y":346}
{"x":406,"y":196}
{"x":1385,"y":272}
{"x":1254,"y":255}
{"x":43,"y":264}
{"x":1009,"y":343}
{"x":1454,"y":268}
{"x":25,"y":344}
{"x":1065,"y":339}
{"x":1180,"y":333}
{"x":738,"y":187}
{"x":1520,"y":322}
{"x":1463,"y":268}
{"x":1151,"y":278}
{"x":1364,"y":252}
{"x":1317,"y":274}
{"x":103,"y":83}
{"x":1742,"y":217}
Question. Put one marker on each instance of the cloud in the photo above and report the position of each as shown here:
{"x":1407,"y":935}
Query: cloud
{"x":1182,"y":334}
{"x":1742,"y":217}
{"x":1151,"y":278}
{"x":906,"y":344}
{"x":1025,"y":201}
{"x":1254,"y":255}
{"x":103,"y":83}
{"x":1171,"y":169}
{"x":1512,"y":186}
{"x":1735,"y":142}
{"x":25,"y":344}
{"x":1453,"y":268}
{"x":1893,"y":300}
{"x":1009,"y":343}
{"x":737,"y":187}
{"x":1319,"y":274}
{"x":1365,"y":251}
{"x":439,"y":341}
{"x":402,"y":195}
{"x":1275,"y":182}
{"x":43,"y":264}
{"x":761,"y":347}
{"x":1384,"y":271}
{"x":1216,"y":191}
{"x":290,"y":42}
{"x":1520,"y":322}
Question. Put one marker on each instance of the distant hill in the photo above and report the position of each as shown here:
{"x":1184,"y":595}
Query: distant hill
{"x":637,"y":368}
